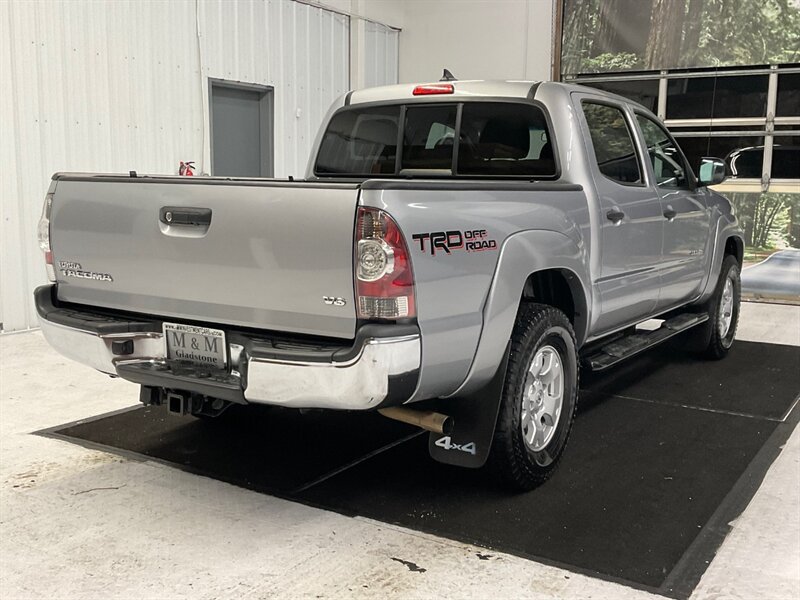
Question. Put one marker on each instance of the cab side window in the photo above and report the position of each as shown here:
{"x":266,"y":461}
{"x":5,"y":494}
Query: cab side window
{"x":669,"y":165}
{"x":612,"y":142}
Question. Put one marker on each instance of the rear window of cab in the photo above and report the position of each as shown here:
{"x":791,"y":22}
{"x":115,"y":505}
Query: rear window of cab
{"x":486,"y":139}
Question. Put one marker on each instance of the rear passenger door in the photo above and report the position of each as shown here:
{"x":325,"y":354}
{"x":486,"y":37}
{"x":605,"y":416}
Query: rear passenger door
{"x":686,"y":215}
{"x":630,"y":216}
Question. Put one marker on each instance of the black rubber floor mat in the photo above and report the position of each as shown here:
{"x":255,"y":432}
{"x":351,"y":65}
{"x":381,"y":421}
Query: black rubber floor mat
{"x":635,"y":487}
{"x":662,"y":449}
{"x":257,"y":447}
{"x":755,"y":379}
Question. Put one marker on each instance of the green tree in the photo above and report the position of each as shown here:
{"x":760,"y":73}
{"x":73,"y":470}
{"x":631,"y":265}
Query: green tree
{"x":666,"y":30}
{"x":691,"y":31}
{"x":766,"y":218}
{"x":605,"y":35}
{"x":622,"y":27}
{"x":747,"y":32}
{"x":578,"y":29}
{"x":793,"y":226}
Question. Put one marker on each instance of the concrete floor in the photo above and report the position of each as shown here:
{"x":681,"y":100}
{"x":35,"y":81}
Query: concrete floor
{"x":78,"y":523}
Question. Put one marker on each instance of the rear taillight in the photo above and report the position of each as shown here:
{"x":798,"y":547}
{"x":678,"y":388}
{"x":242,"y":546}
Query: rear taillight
{"x":43,"y":233}
{"x":384,"y":281}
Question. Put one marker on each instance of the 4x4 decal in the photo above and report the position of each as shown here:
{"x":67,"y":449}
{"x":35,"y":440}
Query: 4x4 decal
{"x":447,"y":443}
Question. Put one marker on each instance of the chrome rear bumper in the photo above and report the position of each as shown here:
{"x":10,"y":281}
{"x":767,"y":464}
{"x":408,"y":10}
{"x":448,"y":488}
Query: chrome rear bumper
{"x":380,"y":371}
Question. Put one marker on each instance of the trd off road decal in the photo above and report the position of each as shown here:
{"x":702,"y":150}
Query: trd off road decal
{"x":474,"y":240}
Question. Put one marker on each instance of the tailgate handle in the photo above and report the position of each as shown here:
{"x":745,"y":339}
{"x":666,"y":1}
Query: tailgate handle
{"x":180,"y":215}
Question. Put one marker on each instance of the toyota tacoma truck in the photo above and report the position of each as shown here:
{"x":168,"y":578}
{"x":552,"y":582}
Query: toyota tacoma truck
{"x":457,"y":252}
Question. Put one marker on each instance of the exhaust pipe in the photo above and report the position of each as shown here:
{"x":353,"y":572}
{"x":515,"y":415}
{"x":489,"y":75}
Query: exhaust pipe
{"x":427,"y":420}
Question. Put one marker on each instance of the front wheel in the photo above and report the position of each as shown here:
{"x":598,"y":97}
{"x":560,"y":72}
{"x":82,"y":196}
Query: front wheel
{"x":723,"y":310}
{"x":539,"y":397}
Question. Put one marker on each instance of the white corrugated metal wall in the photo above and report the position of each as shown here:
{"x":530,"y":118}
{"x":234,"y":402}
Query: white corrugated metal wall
{"x":104,"y":86}
{"x":301,"y":50}
{"x":381,"y":56}
{"x":117,"y":86}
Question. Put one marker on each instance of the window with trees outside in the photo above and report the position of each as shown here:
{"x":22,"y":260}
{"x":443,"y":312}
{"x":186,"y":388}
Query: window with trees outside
{"x":724,"y":76}
{"x":612,"y":142}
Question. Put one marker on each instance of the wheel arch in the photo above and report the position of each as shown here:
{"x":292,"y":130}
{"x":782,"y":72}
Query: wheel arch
{"x":728,"y":240}
{"x":544,"y":266}
{"x":560,"y":288}
{"x":734,"y":245}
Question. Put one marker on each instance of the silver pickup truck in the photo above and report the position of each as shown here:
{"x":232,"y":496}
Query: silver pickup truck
{"x":456,"y":253}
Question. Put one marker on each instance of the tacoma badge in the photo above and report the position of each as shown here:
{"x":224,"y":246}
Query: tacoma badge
{"x":73,"y":269}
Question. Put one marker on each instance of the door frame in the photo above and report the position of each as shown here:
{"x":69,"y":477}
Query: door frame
{"x":266,"y":106}
{"x":694,"y":267}
{"x":646,"y":277}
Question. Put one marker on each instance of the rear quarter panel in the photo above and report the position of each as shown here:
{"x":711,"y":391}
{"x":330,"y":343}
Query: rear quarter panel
{"x":531,"y":225}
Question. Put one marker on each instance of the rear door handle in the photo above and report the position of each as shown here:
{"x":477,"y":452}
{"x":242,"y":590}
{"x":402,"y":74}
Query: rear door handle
{"x":615,"y":215}
{"x":669,"y":212}
{"x":181,"y":215}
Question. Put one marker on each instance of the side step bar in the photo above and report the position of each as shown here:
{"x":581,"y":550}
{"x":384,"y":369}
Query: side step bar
{"x":620,"y":349}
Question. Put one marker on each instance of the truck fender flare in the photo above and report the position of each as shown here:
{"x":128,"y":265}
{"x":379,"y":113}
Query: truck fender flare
{"x":521,"y":255}
{"x":725,"y":229}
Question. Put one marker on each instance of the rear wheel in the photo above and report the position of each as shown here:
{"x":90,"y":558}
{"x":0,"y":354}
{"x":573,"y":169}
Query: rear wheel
{"x":539,"y":397}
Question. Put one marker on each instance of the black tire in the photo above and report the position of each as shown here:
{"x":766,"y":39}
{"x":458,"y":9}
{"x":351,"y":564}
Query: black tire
{"x":719,"y":344}
{"x":538,"y":326}
{"x":706,"y":339}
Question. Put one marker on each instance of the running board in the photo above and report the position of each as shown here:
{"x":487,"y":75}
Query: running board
{"x":630,"y":345}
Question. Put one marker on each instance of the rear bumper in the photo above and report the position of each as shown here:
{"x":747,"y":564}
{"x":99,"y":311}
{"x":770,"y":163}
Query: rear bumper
{"x":380,"y":368}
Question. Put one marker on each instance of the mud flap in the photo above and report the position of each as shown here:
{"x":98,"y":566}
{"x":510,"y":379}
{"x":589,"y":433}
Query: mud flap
{"x":475,"y":418}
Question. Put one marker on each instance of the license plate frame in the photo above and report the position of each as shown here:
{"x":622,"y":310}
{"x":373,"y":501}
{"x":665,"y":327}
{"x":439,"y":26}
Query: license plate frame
{"x":202,"y":346}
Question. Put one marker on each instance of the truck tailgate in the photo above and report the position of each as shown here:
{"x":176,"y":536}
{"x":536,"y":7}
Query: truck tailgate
{"x":261,"y":254}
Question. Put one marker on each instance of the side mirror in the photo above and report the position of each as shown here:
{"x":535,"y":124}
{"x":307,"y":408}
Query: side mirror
{"x":712,"y":171}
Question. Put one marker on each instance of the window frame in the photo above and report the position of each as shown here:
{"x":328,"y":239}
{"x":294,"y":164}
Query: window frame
{"x":691,"y":178}
{"x":459,"y":103}
{"x":633,"y":132}
{"x":763,"y":126}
